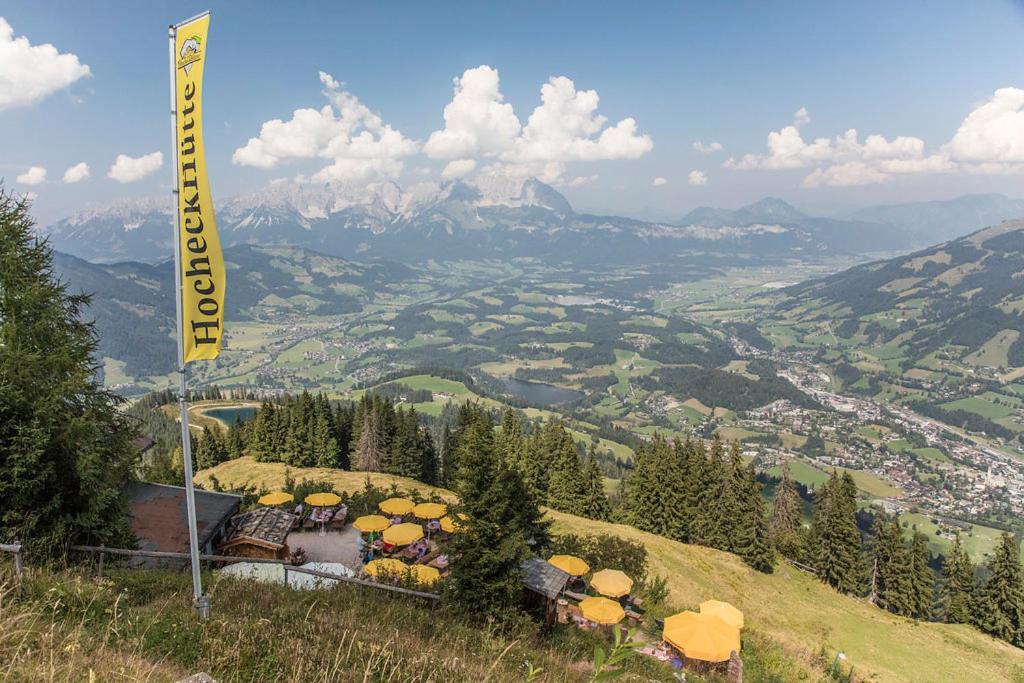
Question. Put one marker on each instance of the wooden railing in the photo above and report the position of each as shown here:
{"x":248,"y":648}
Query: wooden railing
{"x":15,"y":548}
{"x":102,"y":551}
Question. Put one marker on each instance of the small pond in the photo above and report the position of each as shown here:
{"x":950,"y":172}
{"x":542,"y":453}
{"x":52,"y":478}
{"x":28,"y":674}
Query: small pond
{"x":228,"y":414}
{"x":538,"y":393}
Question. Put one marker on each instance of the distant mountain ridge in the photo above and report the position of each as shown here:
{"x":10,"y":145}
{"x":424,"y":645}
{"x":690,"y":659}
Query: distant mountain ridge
{"x":499,"y":217}
{"x":939,"y":220}
{"x":955,"y":297}
{"x":493,"y":217}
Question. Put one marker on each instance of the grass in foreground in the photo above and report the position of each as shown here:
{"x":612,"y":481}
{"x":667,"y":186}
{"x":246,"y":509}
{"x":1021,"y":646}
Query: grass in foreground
{"x":138,"y":625}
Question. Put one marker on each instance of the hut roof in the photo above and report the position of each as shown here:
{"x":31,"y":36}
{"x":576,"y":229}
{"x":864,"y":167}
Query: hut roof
{"x":268,"y":527}
{"x":543,"y":577}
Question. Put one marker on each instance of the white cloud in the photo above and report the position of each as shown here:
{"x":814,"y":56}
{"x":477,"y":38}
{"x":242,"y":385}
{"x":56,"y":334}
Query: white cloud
{"x":991,"y":137}
{"x":28,"y":73}
{"x":564,"y":128}
{"x":128,"y":169}
{"x":36,"y":175}
{"x":850,"y":174}
{"x":359,"y":143}
{"x":697,"y":178}
{"x":76,"y":173}
{"x":843,"y":161}
{"x":477,"y":122}
{"x":659,"y":181}
{"x":709,"y":148}
{"x":458,"y":168}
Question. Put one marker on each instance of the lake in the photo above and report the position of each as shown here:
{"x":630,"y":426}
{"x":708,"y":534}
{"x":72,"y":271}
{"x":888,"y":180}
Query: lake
{"x":538,"y":393}
{"x":227,"y":414}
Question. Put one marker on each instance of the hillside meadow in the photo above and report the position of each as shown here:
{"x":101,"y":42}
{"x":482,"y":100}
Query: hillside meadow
{"x":790,"y":607}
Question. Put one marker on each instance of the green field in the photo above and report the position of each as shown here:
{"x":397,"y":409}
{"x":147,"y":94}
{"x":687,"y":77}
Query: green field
{"x":931,"y":454}
{"x":982,"y":405}
{"x":811,"y":476}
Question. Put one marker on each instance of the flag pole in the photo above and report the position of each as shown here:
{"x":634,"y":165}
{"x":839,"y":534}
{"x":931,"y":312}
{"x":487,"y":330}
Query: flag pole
{"x":201,"y":602}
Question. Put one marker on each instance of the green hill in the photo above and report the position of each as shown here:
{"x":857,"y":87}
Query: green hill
{"x":789,"y":607}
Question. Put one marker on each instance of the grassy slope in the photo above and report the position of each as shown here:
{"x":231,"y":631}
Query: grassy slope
{"x":791,"y":607}
{"x":139,"y":626}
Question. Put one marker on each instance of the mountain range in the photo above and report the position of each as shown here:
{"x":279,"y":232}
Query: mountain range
{"x":963,"y":298}
{"x":132,"y":303}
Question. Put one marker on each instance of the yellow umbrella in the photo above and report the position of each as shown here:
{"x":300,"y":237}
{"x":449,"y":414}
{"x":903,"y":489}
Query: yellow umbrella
{"x":276,"y":498}
{"x":397,"y":506}
{"x":430,"y":510}
{"x":387,"y":566}
{"x":403,"y":534}
{"x":453,"y":523}
{"x":723,"y":611}
{"x":611,"y":582}
{"x":602,"y":610}
{"x":368,"y":523}
{"x":423,"y":574}
{"x":321,"y":500}
{"x":570,"y":564}
{"x":702,"y":636}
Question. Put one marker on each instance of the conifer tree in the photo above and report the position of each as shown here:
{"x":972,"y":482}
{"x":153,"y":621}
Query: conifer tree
{"x":836,"y":542}
{"x":751,"y":530}
{"x":235,"y":442}
{"x":565,"y":485}
{"x":1000,"y":608}
{"x":595,"y":501}
{"x":891,"y":570}
{"x":370,"y":455}
{"x":486,"y":570}
{"x":786,"y":520}
{"x":709,"y":524}
{"x":403,"y":460}
{"x":922,"y":578}
{"x":65,"y":452}
{"x":958,"y":585}
{"x":509,"y":442}
{"x":446,"y":474}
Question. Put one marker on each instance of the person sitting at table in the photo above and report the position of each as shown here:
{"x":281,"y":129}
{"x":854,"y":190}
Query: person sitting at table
{"x":299,"y":509}
{"x":397,"y":519}
{"x":421,"y":550}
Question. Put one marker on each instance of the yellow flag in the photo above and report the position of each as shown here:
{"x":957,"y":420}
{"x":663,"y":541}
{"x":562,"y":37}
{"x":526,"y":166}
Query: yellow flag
{"x":201,"y":262}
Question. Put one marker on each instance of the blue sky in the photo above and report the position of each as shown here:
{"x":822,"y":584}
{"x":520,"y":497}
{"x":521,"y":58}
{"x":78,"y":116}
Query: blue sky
{"x":713,"y":72}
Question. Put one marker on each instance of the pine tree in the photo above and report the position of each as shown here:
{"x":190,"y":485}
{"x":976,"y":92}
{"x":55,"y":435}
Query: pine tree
{"x":370,"y":455}
{"x":752,"y":537}
{"x":502,"y":519}
{"x":836,"y":542}
{"x":891,"y":570}
{"x":709,"y":525}
{"x":403,"y":456}
{"x":565,"y":485}
{"x":537,"y":462}
{"x":958,"y":585}
{"x":235,"y":441}
{"x":595,"y":501}
{"x":65,"y":452}
{"x":446,"y":475}
{"x":1000,"y":608}
{"x":510,"y":443}
{"x":786,"y":519}
{"x":922,"y":578}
